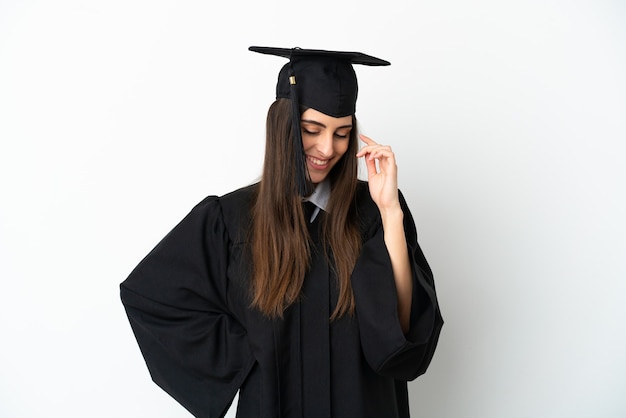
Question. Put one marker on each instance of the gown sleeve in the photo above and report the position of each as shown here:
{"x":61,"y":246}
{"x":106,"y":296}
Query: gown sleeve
{"x":387,"y":349}
{"x":176,"y":303}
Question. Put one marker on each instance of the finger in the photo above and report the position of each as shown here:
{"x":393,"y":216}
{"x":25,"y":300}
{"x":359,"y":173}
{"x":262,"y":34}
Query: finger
{"x":367,"y":139}
{"x":376,"y":149}
{"x":371,"y":167}
{"x":381,"y":152}
{"x":367,"y":148}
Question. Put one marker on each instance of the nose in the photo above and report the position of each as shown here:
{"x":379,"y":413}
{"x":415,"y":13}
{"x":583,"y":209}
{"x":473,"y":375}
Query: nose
{"x":325,"y":144}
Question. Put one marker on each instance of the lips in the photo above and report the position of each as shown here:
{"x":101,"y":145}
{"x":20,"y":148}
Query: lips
{"x":317,"y":163}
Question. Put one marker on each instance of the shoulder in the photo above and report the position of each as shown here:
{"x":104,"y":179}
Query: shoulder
{"x":235,"y":201}
{"x":236,"y":208}
{"x":240,"y":199}
{"x":367,"y":212}
{"x":363,"y":200}
{"x":229,"y":213}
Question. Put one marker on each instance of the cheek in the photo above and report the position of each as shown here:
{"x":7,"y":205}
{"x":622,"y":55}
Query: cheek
{"x":306,"y":142}
{"x":341,"y":147}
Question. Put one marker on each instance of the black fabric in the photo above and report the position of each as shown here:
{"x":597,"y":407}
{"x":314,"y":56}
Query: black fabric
{"x":189,"y":307}
{"x":324,"y":80}
{"x":297,"y":52}
{"x":308,"y":208}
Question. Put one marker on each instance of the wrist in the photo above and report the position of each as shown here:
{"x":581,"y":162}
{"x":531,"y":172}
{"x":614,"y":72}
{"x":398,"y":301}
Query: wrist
{"x":391,"y":213}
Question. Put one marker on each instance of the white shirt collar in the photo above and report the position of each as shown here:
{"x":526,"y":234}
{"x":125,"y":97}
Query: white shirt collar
{"x":319,"y":197}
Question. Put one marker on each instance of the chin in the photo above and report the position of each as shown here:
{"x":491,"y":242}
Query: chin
{"x":317,"y":179}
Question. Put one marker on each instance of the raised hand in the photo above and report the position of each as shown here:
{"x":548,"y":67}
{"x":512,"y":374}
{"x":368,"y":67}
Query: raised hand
{"x":383,"y":184}
{"x":382,"y":177}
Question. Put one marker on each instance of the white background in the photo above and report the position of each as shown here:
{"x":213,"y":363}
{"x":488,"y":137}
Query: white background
{"x":508,"y":121}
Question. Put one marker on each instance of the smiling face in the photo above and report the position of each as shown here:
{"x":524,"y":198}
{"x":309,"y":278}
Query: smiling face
{"x":325,"y":140}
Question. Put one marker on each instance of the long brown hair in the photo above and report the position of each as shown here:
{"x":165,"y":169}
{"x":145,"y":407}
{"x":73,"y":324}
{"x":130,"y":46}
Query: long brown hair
{"x":280,"y":242}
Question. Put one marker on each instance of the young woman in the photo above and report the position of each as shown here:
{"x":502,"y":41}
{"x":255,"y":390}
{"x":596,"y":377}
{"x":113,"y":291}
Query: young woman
{"x":306,"y":291}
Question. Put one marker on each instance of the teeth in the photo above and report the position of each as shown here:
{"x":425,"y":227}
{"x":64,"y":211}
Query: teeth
{"x":318,"y":162}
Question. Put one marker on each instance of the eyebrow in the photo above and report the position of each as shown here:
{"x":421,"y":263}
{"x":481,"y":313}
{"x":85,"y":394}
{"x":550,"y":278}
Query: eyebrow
{"x":314,"y":122}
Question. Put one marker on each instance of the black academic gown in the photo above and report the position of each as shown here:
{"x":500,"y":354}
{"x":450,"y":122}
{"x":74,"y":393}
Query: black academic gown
{"x":188,"y":305}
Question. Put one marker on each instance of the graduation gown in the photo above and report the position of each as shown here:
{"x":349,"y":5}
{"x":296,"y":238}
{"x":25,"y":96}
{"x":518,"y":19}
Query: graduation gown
{"x":188,"y":303}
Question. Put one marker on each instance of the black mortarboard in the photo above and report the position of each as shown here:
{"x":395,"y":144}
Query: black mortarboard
{"x":321,"y":80}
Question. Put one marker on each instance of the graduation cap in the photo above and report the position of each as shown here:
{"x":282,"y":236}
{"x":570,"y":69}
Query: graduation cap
{"x":321,"y":80}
